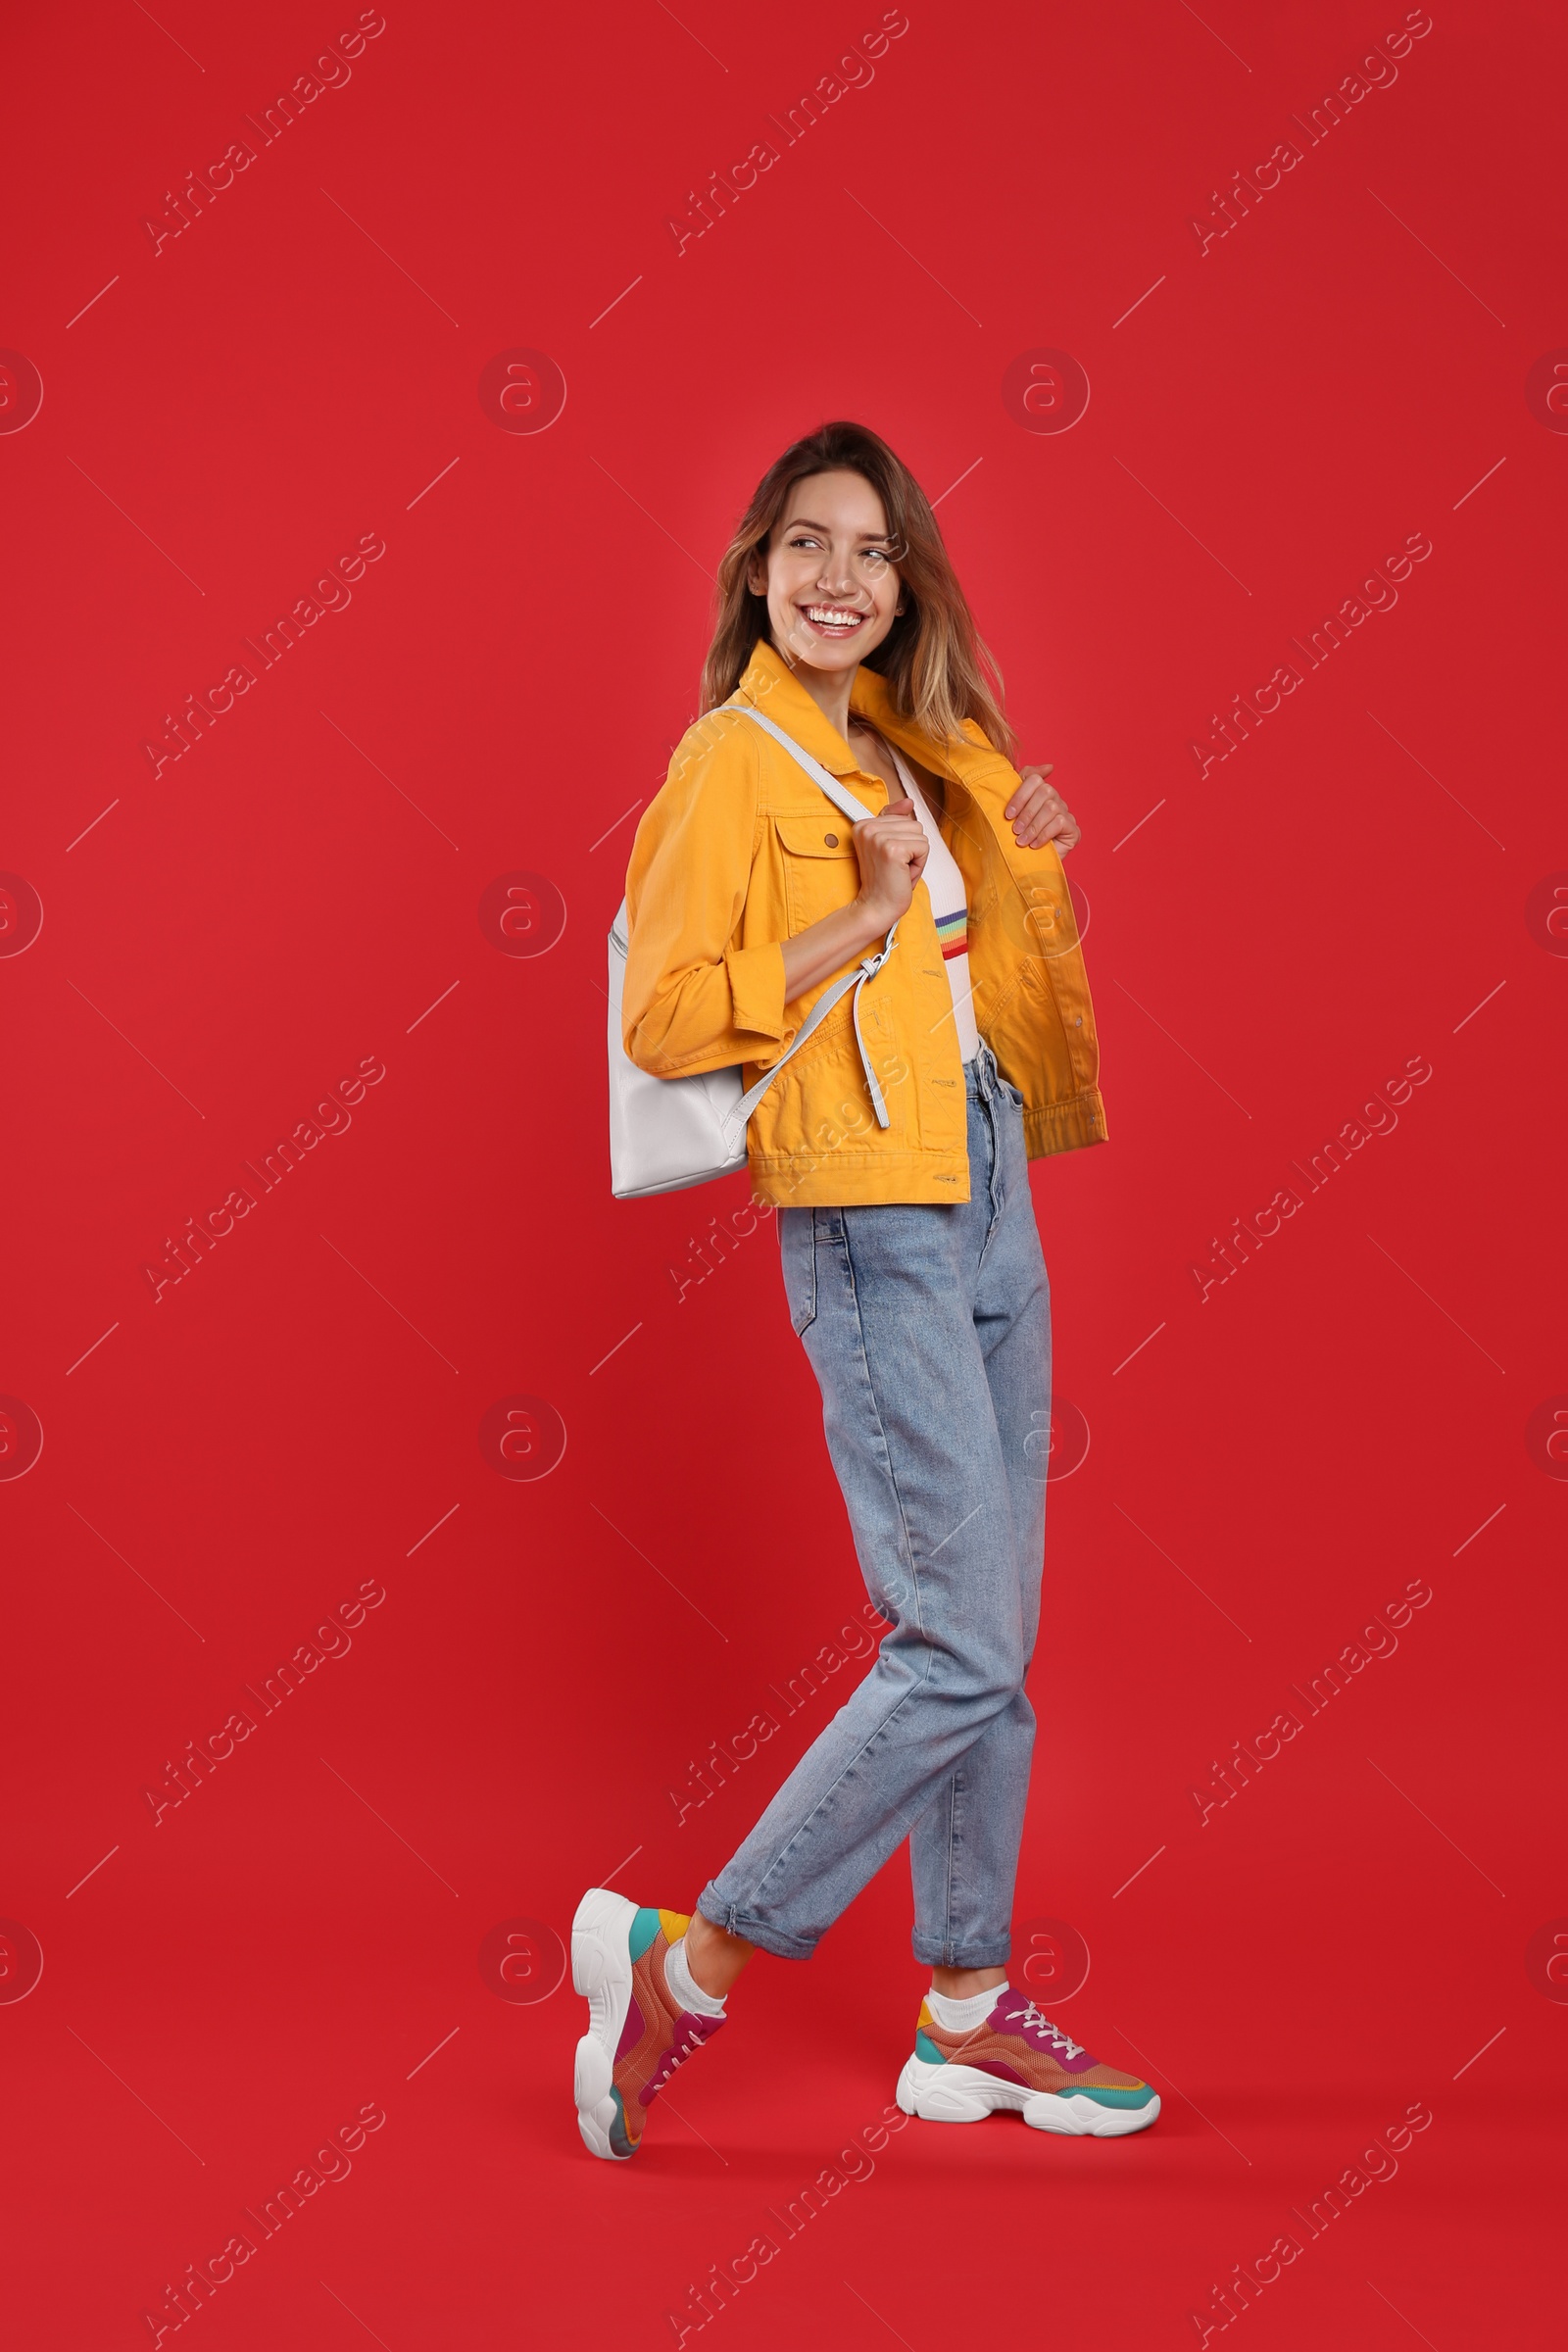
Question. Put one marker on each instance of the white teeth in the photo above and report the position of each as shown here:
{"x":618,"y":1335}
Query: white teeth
{"x":829,"y":616}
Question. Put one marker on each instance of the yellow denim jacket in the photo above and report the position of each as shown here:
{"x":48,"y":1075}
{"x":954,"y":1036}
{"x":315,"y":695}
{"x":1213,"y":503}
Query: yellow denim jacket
{"x":738,"y":850}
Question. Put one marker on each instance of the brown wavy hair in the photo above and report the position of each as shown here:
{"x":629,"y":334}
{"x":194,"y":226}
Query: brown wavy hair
{"x":935,"y":666}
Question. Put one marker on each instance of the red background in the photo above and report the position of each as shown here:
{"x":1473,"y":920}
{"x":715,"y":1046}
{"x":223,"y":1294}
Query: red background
{"x":223,"y":417}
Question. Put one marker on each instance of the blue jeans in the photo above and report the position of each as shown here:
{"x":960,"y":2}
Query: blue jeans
{"x":929,"y":1330}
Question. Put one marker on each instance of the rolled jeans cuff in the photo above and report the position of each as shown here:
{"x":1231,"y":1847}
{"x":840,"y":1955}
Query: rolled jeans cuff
{"x":931,"y":1954}
{"x":736,"y":1922}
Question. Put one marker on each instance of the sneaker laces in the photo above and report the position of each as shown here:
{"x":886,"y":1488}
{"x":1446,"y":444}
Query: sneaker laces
{"x":680,"y":2051}
{"x":692,"y":2038}
{"x":1032,"y":2017}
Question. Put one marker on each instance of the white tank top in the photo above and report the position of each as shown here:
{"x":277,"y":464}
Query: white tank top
{"x":949,"y":903}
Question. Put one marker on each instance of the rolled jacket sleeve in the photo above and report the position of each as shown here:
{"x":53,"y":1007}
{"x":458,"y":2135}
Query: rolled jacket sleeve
{"x":756,"y":988}
{"x":699,"y":997}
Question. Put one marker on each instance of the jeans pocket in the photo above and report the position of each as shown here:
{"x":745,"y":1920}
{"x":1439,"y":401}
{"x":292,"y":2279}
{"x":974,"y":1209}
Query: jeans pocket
{"x":797,"y":1247}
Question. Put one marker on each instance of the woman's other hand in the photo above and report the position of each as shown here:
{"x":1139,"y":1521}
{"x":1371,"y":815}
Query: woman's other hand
{"x":1037,"y":813}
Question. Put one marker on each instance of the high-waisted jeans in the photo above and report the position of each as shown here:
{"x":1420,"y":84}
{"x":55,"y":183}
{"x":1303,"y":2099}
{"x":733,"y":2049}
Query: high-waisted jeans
{"x":929,"y":1330}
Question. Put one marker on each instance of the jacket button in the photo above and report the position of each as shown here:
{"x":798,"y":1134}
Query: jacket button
{"x":832,"y":840}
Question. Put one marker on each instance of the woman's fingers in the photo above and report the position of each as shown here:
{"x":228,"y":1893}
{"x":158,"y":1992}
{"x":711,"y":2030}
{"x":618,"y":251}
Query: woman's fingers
{"x":1030,"y":776}
{"x":1038,"y":814}
{"x":896,"y":827}
{"x":1056,"y":825}
{"x":1045,"y":807}
{"x":893,"y":842}
{"x":1033,"y":778}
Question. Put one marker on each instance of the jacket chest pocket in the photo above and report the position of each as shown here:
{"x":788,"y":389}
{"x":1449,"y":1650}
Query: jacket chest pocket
{"x":821,"y":871}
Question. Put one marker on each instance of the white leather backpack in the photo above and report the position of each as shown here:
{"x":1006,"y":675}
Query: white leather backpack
{"x":667,"y":1133}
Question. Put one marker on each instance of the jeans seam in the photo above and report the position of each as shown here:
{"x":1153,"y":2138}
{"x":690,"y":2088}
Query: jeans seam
{"x":790,"y":1298}
{"x":876,"y":1409}
{"x":811,"y":1254}
{"x":953,"y":1831}
{"x":997,"y":1209}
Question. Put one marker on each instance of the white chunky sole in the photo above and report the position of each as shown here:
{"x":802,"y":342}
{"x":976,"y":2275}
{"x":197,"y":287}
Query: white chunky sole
{"x":965,"y":2094}
{"x":601,"y":1971}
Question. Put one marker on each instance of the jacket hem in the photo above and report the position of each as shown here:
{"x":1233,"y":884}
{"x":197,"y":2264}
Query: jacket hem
{"x":861,"y":1179}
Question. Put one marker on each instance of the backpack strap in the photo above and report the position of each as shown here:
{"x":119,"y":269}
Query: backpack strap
{"x":843,"y":800}
{"x":847,"y":806}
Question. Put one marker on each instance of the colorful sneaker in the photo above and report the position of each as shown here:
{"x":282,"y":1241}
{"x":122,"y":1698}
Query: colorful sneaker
{"x":1017,"y":2059}
{"x":637,"y":2032}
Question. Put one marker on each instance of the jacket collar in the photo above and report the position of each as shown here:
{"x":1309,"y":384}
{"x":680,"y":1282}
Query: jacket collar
{"x":871,"y":698}
{"x":772,"y":687}
{"x":770,"y":684}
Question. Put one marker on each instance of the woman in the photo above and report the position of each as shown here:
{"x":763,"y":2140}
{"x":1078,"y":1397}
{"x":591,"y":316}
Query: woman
{"x":895,"y":1148}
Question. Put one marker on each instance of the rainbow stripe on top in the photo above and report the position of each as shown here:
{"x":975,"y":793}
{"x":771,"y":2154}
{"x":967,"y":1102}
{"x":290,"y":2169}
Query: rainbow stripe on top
{"x":952,"y":933}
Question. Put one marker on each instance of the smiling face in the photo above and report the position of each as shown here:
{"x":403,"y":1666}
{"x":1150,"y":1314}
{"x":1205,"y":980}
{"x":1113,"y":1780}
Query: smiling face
{"x":833,"y":590}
